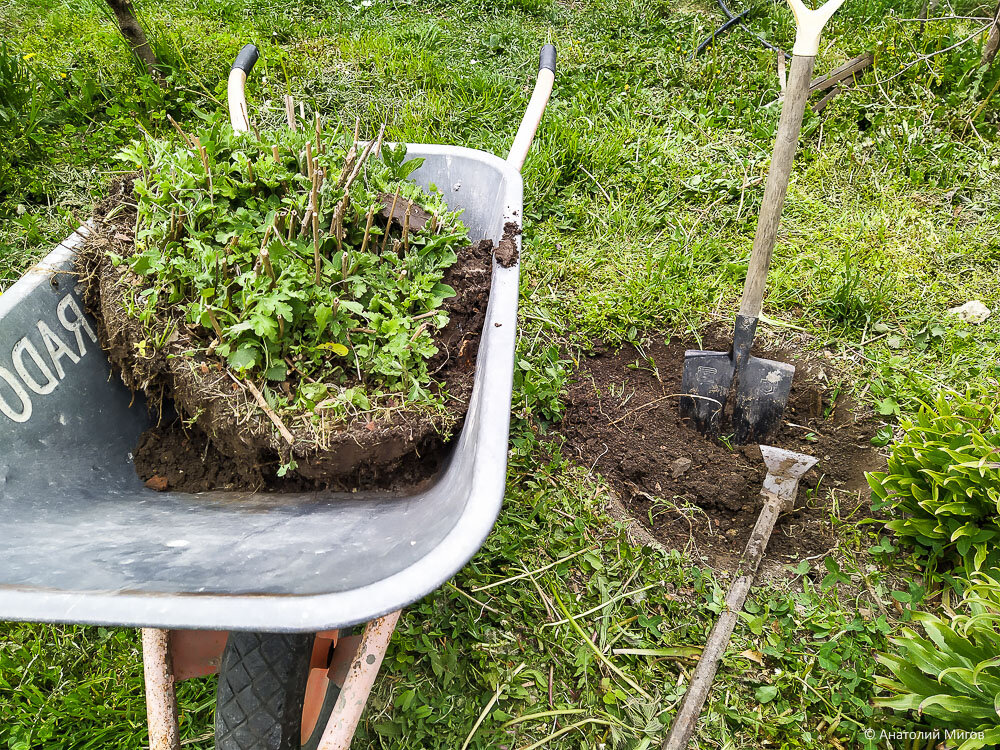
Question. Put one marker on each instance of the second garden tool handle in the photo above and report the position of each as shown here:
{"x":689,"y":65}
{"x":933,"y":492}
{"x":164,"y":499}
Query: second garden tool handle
{"x":245,"y":61}
{"x":809,"y":25}
{"x":536,"y":106}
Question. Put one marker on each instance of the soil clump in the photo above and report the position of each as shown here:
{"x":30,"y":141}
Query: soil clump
{"x":219,"y":420}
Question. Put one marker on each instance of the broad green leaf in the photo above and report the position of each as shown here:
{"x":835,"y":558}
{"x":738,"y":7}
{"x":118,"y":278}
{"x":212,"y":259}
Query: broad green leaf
{"x":243,"y":359}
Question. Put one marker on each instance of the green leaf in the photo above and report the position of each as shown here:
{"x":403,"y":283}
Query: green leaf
{"x":243,"y":359}
{"x":888,"y":406}
{"x":766,"y":693}
{"x":323,"y":313}
{"x":277,"y":371}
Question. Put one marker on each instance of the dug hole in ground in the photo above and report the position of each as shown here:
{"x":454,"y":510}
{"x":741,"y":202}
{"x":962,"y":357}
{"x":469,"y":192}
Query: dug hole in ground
{"x":681,"y":490}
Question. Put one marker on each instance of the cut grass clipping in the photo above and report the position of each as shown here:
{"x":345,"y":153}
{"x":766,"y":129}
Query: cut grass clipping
{"x":298,"y":257}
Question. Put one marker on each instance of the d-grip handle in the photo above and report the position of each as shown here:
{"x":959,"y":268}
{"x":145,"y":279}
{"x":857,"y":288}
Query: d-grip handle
{"x":536,"y":107}
{"x":809,"y":26}
{"x":235,"y":94}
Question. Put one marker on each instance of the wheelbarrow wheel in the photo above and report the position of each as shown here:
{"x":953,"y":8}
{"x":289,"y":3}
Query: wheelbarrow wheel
{"x":263,"y":679}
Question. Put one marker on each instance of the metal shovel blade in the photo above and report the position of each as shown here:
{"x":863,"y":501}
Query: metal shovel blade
{"x":784,"y":470}
{"x":705,"y":384}
{"x":761,"y":396}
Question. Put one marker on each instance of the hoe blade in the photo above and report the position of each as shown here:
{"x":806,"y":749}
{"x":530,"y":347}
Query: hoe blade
{"x":784,"y":470}
{"x":705,"y":385}
{"x":761,"y":397}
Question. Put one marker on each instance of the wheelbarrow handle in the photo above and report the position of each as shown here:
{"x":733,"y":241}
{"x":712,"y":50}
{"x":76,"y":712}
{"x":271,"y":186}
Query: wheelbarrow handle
{"x":809,"y":26}
{"x":536,"y":107}
{"x":242,"y":66}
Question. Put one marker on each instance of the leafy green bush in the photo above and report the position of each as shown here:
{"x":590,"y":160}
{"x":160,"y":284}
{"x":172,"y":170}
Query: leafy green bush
{"x":943,"y":481}
{"x":278,"y":263}
{"x":951,"y":677}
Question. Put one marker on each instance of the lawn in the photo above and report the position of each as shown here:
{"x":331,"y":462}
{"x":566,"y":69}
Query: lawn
{"x":641,"y":195}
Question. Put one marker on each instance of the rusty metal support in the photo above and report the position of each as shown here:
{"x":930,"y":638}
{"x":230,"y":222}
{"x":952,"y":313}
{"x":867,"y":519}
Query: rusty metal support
{"x":358,"y":684}
{"x":161,"y":700}
{"x":196,"y":653}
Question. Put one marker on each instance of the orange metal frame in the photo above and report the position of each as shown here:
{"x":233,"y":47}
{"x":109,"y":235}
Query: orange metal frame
{"x":350,"y":662}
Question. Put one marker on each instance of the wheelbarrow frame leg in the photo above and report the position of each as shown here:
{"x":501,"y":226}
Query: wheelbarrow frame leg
{"x":161,"y":698}
{"x":354,"y":672}
{"x":358,"y":684}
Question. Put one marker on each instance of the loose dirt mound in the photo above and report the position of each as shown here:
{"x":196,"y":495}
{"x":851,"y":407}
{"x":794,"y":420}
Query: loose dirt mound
{"x":221,"y":412}
{"x":694,"y":494}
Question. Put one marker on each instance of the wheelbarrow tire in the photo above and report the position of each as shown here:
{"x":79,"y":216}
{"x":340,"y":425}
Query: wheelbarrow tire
{"x":262,"y":684}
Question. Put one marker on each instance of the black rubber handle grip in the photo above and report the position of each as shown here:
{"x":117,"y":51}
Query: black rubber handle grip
{"x":246,"y":58}
{"x":548,"y":58}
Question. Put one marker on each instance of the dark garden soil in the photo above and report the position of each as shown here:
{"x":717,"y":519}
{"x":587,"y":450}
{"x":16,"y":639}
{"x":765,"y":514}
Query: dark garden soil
{"x":212,"y":435}
{"x":693,"y":493}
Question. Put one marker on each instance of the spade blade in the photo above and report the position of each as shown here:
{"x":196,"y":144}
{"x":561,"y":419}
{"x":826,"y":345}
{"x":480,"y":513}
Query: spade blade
{"x":705,"y":385}
{"x":761,"y":397}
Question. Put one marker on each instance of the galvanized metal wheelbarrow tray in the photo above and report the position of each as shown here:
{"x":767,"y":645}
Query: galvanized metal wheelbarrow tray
{"x":84,"y":541}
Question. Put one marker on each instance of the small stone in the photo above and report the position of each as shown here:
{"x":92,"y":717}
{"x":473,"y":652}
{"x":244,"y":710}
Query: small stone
{"x":973,"y":311}
{"x":678,"y":467}
{"x":157,"y":482}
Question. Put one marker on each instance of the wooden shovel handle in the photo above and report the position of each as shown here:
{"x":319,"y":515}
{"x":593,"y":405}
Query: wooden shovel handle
{"x":796,"y":96}
{"x":809,"y":25}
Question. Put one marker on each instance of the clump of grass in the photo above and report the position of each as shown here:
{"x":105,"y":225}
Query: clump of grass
{"x":847,"y":297}
{"x":299,"y":255}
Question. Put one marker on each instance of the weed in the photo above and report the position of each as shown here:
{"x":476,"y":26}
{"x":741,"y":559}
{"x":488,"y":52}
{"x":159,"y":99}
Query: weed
{"x":539,"y":386}
{"x":282,"y":264}
{"x":848,"y":299}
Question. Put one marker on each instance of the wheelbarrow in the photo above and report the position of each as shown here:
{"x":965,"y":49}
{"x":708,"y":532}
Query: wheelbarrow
{"x":256,"y":587}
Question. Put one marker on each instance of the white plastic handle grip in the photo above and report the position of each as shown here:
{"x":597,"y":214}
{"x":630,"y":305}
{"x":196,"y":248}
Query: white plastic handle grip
{"x":809,"y":25}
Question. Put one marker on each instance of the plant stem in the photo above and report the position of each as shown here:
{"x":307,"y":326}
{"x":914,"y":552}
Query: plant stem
{"x":265,"y":257}
{"x":368,"y":227}
{"x":180,"y":130}
{"x":208,"y":172}
{"x":406,"y":228}
{"x":215,"y":325}
{"x":315,"y":229}
{"x":388,"y":222}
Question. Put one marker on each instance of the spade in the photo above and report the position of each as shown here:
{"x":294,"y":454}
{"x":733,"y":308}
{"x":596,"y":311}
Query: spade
{"x":758,"y":388}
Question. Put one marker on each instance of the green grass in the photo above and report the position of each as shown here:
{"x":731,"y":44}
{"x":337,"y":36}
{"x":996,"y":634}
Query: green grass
{"x":640,"y":205}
